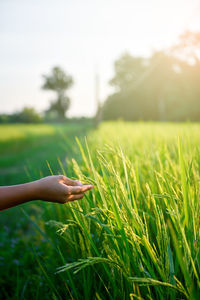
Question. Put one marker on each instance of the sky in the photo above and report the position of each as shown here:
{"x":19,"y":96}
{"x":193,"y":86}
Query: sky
{"x":84,"y":37}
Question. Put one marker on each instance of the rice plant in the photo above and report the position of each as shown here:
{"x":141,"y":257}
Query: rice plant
{"x":137,"y":235}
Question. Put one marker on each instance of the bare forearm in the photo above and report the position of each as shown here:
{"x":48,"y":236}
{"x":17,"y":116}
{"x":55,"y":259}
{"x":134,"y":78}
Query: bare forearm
{"x":17,"y":194}
{"x":59,"y":189}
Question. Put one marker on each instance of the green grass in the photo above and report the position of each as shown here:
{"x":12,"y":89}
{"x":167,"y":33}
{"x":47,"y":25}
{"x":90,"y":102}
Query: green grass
{"x":135,"y":236}
{"x":24,"y":149}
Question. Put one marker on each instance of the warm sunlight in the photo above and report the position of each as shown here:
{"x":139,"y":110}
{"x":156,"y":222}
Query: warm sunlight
{"x":99,"y":149}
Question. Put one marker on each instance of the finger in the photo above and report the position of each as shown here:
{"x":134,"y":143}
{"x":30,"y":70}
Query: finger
{"x":80,"y":189}
{"x":75,"y":197}
{"x":71,"y":182}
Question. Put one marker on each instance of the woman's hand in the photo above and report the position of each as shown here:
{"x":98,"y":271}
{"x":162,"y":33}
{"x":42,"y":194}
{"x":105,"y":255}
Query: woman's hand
{"x":60,"y":189}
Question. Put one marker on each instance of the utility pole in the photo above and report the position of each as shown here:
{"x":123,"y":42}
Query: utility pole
{"x":97,"y":90}
{"x":97,"y":116}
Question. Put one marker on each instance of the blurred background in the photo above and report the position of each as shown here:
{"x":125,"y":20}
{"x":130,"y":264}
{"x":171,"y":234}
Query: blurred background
{"x":130,"y":60}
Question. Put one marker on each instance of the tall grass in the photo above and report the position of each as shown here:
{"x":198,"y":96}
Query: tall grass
{"x":137,"y":234}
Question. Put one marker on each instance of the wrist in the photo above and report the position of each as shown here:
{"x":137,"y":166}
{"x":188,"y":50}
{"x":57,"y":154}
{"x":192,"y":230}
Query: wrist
{"x":32,"y":191}
{"x":36,"y":190}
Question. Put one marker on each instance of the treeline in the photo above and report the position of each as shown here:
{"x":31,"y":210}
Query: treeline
{"x":26,"y":115}
{"x":30,"y":115}
{"x":164,"y":87}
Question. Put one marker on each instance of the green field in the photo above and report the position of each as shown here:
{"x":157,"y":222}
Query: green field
{"x":135,"y":236}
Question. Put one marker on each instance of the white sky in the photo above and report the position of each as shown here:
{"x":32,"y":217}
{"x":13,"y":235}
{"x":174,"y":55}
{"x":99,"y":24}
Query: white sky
{"x":81,"y":36}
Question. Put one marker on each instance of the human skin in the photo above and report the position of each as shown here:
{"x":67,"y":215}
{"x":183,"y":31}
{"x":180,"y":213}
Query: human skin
{"x":59,"y":189}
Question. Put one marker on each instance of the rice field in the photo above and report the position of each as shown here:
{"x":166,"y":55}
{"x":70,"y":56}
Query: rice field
{"x":135,"y":236}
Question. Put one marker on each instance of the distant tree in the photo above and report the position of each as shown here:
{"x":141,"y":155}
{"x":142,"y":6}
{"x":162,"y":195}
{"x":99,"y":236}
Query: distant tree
{"x":59,"y":82}
{"x":29,"y":115}
{"x":4,"y":118}
{"x":130,"y":99}
{"x":187,"y":49}
{"x":187,"y":46}
{"x":128,"y":70}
